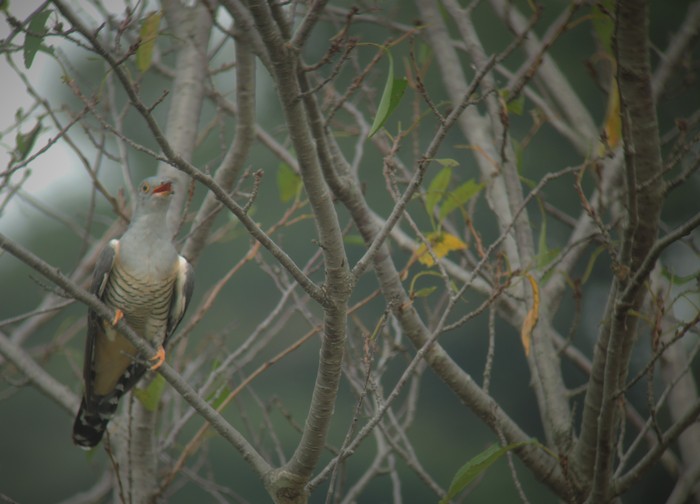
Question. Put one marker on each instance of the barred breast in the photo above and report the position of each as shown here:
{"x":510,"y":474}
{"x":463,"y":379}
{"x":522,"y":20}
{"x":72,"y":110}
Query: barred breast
{"x":145,"y":302}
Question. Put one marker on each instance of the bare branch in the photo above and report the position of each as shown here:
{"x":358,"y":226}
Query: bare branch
{"x":44,"y":382}
{"x":186,"y":391}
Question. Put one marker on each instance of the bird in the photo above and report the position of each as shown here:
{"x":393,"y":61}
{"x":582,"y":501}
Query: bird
{"x":148,"y":284}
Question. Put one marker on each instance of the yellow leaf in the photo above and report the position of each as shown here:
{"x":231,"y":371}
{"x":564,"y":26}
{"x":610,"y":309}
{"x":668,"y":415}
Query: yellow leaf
{"x":531,"y":318}
{"x":442,"y":244}
{"x":613,"y":122}
{"x":148,"y":36}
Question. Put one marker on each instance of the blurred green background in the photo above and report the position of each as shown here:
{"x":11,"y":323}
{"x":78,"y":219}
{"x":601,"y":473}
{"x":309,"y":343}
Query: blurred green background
{"x":38,"y":462}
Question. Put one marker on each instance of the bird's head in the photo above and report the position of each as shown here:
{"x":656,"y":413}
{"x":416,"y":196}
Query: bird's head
{"x":155,"y":192}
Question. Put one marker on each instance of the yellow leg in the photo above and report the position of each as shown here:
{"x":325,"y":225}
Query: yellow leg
{"x":159,"y":358}
{"x":118,"y":315}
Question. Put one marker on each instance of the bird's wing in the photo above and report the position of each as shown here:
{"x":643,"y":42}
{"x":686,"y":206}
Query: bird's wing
{"x":99,"y":281}
{"x":182,"y":292}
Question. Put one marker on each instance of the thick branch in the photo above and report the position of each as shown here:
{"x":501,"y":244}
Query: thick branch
{"x":338,"y":285}
{"x":193,"y":28}
{"x":236,"y":156}
{"x":642,"y":164}
{"x":137,"y":453}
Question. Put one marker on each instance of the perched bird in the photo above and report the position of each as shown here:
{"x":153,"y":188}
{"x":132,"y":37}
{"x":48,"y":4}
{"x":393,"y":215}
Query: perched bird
{"x":148,"y":284}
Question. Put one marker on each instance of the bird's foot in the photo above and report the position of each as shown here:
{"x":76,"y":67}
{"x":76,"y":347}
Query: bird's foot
{"x":159,"y":358}
{"x":118,"y":315}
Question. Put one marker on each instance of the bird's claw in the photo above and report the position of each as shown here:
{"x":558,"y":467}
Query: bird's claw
{"x":118,"y":315}
{"x":159,"y":358}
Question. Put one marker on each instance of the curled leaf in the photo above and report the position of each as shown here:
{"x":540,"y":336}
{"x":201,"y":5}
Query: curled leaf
{"x":391,"y":96}
{"x":613,"y":121}
{"x":531,"y":318}
{"x":24,"y":142}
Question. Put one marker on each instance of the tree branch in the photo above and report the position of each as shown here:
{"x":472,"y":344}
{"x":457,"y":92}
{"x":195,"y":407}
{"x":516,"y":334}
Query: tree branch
{"x":642,"y":163}
{"x":338,"y":285}
{"x":236,"y":156}
{"x":43,"y":381}
{"x":174,"y":159}
{"x":171,"y":376}
{"x":192,"y":26}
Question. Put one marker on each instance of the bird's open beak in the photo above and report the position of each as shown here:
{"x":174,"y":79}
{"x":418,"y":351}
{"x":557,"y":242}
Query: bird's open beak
{"x":163,"y":189}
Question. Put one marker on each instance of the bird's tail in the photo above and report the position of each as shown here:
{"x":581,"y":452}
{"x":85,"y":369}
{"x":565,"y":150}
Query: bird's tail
{"x":90,"y":425}
{"x":97,"y":410}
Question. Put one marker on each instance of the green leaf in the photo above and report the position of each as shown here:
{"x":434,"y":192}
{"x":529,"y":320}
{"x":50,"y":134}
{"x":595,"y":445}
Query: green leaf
{"x":459,"y":197}
{"x":517,"y":106}
{"x":35,"y":35}
{"x":288,"y":183}
{"x":545,"y":260}
{"x":437,"y":189}
{"x":514,"y":105}
{"x":476,"y":466}
{"x":148,"y":36}
{"x":24,"y":143}
{"x":150,"y":396}
{"x":391,"y":96}
{"x":447,"y":162}
{"x":542,"y":250}
{"x":424,"y":292}
{"x":603,"y":24}
{"x":418,"y":276}
{"x":679,"y":280}
{"x":528,"y":182}
{"x":424,"y":54}
{"x":591,"y":263}
{"x":217,"y":398}
{"x":354,"y":239}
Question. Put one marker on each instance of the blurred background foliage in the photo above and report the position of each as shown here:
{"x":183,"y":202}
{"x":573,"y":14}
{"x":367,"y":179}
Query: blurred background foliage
{"x":38,"y":463}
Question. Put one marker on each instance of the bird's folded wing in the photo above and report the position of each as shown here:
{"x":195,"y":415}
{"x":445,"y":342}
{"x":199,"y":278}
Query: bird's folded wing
{"x":182,"y":292}
{"x":99,"y":281}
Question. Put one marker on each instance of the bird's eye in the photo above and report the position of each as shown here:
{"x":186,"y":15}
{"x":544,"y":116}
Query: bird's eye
{"x":145,"y":187}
